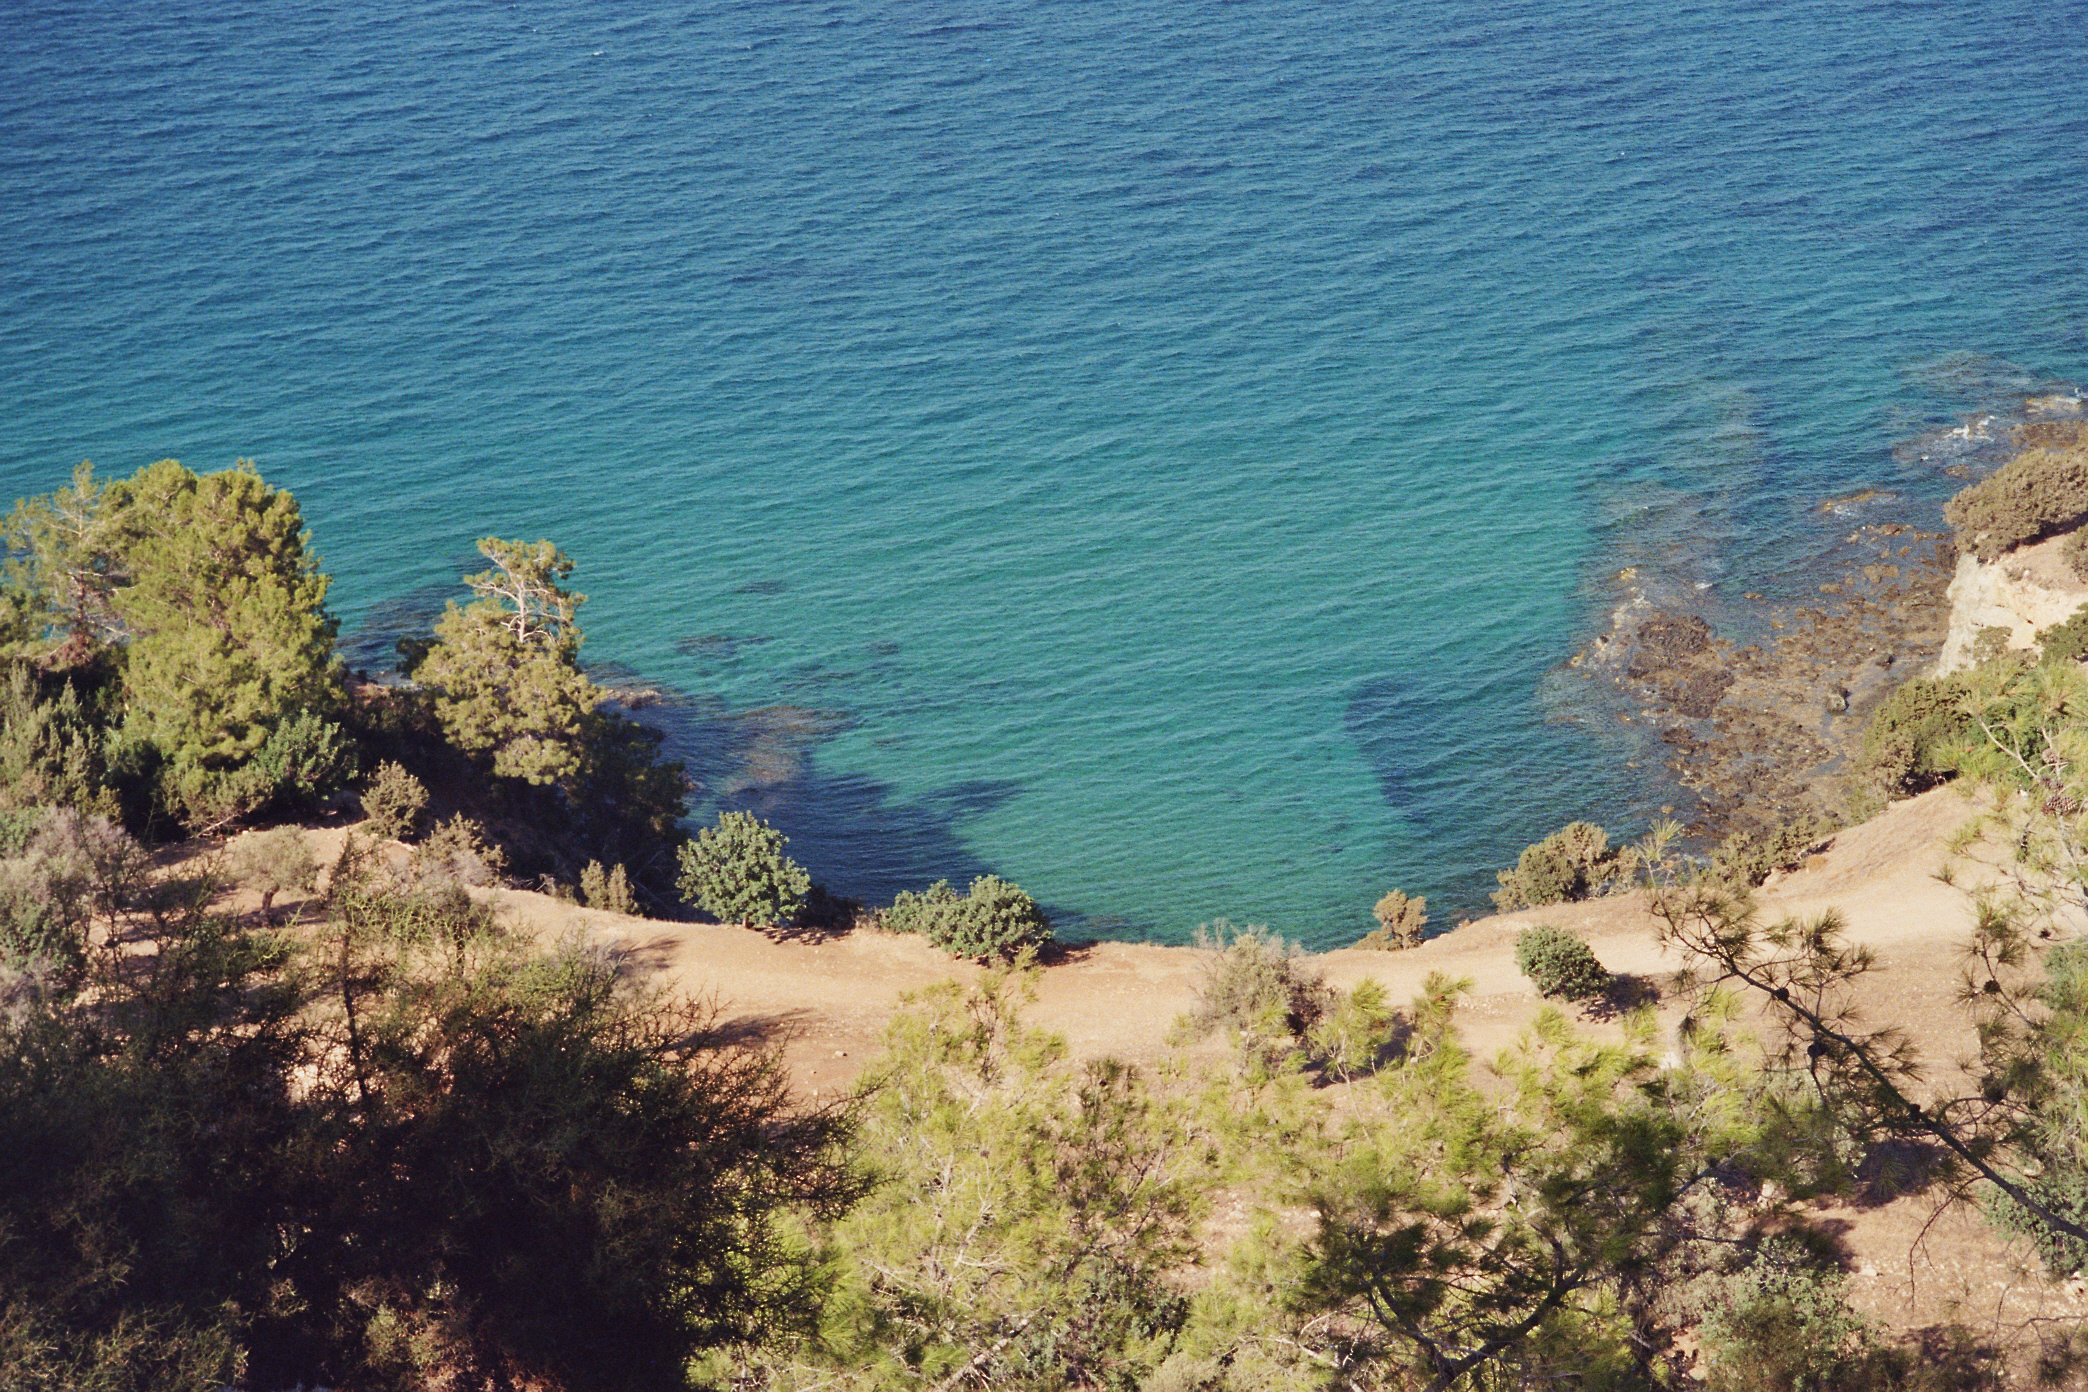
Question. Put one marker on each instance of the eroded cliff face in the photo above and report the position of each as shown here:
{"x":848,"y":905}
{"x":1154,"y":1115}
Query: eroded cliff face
{"x":2026,"y":590}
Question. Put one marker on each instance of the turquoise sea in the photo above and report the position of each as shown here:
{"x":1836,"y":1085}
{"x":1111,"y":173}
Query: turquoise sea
{"x":1161,"y":453}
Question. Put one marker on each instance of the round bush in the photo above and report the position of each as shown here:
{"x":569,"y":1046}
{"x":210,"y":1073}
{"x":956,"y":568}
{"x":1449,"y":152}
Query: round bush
{"x":737,"y":872}
{"x":1559,"y":964}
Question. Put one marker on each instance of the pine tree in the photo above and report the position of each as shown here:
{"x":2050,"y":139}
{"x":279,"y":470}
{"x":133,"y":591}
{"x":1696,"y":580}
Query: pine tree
{"x":505,"y":668}
{"x":225,"y":607}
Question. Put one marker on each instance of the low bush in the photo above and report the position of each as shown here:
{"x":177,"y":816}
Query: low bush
{"x":994,"y":919}
{"x":1784,"y":1325}
{"x":1916,"y":736}
{"x":271,"y":862}
{"x":2067,"y":640}
{"x":1256,"y":982}
{"x":737,"y":872}
{"x":1399,"y":920}
{"x":1746,"y":858}
{"x":460,"y":852}
{"x":1353,"y":1033}
{"x":393,"y":801}
{"x":607,"y":889}
{"x":1574,"y":862}
{"x":1281,"y":1013}
{"x":2043,"y":490}
{"x":1560,"y":964}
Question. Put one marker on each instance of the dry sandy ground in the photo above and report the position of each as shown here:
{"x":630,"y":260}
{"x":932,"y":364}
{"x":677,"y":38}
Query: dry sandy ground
{"x":1916,"y":1262}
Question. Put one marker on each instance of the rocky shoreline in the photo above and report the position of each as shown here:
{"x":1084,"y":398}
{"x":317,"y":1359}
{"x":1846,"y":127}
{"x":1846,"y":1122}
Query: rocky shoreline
{"x":1758,"y":713}
{"x":1759,"y":734}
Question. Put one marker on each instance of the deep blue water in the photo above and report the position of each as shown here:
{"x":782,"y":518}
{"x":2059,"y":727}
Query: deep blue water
{"x":1162,"y":454}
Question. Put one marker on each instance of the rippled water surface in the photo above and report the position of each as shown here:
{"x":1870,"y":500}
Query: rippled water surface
{"x":1157,"y":453}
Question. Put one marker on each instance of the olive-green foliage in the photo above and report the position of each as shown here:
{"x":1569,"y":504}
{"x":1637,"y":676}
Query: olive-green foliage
{"x":1476,"y":1234}
{"x":226,"y":676}
{"x":607,"y":889}
{"x":1354,"y":1034}
{"x":737,"y":872}
{"x":393,"y":801}
{"x":51,"y":748}
{"x":1783,"y":1324}
{"x":67,"y":872}
{"x":2043,"y":490}
{"x":1574,"y":862}
{"x":1917,"y":737}
{"x":1281,"y":1014}
{"x":914,"y":911}
{"x":229,"y":638}
{"x":507,"y":691}
{"x":993,"y":919}
{"x":418,"y":1154}
{"x":272,"y":862}
{"x":65,"y":565}
{"x":1560,"y":964}
{"x":2051,"y":1068}
{"x":149,"y":1110}
{"x":1399,"y":922}
{"x":638,"y":1172}
{"x":299,"y":765}
{"x":1746,"y":858}
{"x":1257,"y":987}
{"x":2067,"y":640}
{"x":1034,"y":1216}
{"x":305,"y":760}
{"x":507,"y":683}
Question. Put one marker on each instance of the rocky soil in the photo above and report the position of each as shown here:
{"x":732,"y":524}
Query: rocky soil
{"x":1762,"y":733}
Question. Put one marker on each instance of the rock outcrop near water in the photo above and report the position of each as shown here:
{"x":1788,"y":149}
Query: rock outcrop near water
{"x":2011,"y":597}
{"x":1761,"y":732}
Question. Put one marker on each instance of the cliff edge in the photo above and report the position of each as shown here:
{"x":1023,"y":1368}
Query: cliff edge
{"x":2021,"y":592}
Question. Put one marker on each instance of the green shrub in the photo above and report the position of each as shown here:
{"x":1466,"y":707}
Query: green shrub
{"x":1257,"y":987}
{"x":301,"y":763}
{"x":2061,"y":1179}
{"x":393,"y":801}
{"x":737,"y":872}
{"x":1399,"y":920}
{"x":2043,"y":490}
{"x":459,"y":852}
{"x":1916,"y":736}
{"x":1784,"y":1325}
{"x":993,"y":919}
{"x":304,"y":761}
{"x":913,"y":911}
{"x":1560,"y":964}
{"x":2067,"y":640}
{"x":1746,"y":858}
{"x":1574,"y":862}
{"x":607,"y":889}
{"x":1353,"y":1033}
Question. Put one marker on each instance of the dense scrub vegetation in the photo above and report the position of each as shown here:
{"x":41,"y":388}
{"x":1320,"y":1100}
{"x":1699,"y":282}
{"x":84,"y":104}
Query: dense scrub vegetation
{"x":1574,"y":862}
{"x":2041,"y":491}
{"x":1399,"y":921}
{"x":394,"y":1149}
{"x":992,"y":920}
{"x":365,"y":1137}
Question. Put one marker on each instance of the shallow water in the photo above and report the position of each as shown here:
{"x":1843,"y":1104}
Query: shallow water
{"x":1160,"y":456}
